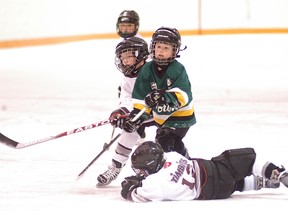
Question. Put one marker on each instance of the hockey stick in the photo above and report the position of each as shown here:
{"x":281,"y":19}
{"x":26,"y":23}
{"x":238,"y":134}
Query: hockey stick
{"x":18,"y":145}
{"x":106,"y":146}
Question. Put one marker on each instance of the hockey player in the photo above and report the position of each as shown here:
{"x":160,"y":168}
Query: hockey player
{"x":127,"y":24}
{"x":163,"y":87}
{"x":170,"y":176}
{"x":130,"y":56}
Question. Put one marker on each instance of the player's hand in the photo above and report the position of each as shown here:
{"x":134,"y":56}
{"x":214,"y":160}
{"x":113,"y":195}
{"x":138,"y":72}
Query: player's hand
{"x":129,"y":184}
{"x":118,"y":117}
{"x":155,"y":97}
{"x":131,"y":126}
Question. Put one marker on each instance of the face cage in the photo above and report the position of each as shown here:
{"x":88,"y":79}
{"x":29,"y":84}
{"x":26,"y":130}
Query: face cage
{"x":141,"y":172}
{"x":127,"y":70}
{"x":126,"y":34}
{"x":164,"y":62}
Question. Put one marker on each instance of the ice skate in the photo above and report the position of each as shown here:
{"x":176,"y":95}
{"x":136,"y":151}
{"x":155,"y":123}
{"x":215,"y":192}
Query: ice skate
{"x":281,"y":176}
{"x":262,"y":182}
{"x":108,"y":176}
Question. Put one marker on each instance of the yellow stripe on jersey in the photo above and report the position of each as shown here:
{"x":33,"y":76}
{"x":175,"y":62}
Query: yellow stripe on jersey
{"x":159,"y":121}
{"x":184,"y":112}
{"x":140,"y":106}
{"x":182,"y":96}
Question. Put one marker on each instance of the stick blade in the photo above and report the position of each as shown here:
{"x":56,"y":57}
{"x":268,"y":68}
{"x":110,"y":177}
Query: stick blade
{"x":79,"y":177}
{"x":7,"y":141}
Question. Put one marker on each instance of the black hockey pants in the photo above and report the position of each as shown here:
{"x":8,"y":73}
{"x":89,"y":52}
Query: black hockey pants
{"x":221,"y":173}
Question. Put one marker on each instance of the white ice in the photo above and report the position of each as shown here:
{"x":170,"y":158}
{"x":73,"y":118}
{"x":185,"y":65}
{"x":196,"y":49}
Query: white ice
{"x":241,"y":99}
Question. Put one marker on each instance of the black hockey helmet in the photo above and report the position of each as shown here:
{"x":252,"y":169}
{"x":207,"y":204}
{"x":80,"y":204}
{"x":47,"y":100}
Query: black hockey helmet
{"x":148,"y":158}
{"x":128,"y":16}
{"x":166,"y":35}
{"x":139,"y":48}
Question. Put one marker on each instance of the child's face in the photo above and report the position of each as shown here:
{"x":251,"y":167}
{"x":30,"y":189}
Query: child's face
{"x":163,"y":50}
{"x":128,"y":58}
{"x":127,"y":27}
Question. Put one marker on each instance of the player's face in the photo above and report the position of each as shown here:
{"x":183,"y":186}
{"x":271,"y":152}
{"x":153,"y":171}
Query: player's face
{"x":128,"y":58}
{"x":163,"y":50}
{"x":126,"y":27}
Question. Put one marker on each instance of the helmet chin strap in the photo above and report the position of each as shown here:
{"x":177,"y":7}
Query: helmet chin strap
{"x":177,"y":56}
{"x":183,"y":48}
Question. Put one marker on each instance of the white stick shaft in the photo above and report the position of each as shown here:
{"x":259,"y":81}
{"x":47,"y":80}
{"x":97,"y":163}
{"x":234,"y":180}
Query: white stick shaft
{"x":138,"y":114}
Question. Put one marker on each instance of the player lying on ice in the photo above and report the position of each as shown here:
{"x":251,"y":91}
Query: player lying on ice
{"x":170,"y":176}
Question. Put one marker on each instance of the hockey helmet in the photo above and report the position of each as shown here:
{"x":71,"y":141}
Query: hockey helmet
{"x":148,"y":158}
{"x":138,"y":47}
{"x":168,"y":36}
{"x":128,"y":16}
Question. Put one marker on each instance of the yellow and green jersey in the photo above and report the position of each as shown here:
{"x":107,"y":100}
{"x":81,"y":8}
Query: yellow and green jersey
{"x":178,"y":111}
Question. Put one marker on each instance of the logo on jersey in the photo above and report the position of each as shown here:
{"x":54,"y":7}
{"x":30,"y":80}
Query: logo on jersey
{"x":169,"y":82}
{"x":153,"y":85}
{"x":167,"y":164}
{"x":166,"y":108}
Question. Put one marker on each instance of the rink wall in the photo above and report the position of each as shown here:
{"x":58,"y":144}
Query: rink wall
{"x":40,"y":22}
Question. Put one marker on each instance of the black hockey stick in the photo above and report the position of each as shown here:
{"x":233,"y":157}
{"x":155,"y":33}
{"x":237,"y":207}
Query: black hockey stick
{"x":18,"y":145}
{"x":107,"y":145}
{"x":105,"y":148}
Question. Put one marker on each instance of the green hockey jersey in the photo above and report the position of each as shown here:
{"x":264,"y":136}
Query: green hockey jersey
{"x":178,"y":111}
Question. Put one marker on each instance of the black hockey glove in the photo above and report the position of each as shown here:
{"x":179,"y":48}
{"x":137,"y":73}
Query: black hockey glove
{"x":130,"y":126}
{"x":118,"y":116}
{"x":129,"y":184}
{"x":155,"y":97}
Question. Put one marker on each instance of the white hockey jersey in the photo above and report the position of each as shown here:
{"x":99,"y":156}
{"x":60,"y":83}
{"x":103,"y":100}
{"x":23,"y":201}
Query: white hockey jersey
{"x":125,"y":99}
{"x":179,"y":179}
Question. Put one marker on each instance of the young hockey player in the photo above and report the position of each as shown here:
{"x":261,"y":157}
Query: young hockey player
{"x":163,"y":87}
{"x":170,"y":176}
{"x":130,"y":56}
{"x":127,"y":24}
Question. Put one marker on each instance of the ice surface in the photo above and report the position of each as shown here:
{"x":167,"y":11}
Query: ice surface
{"x":241,"y":99}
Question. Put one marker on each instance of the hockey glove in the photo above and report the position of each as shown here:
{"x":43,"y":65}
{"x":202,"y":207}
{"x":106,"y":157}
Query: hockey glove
{"x":155,"y":97}
{"x":129,"y":184}
{"x":131,"y":126}
{"x":118,"y":116}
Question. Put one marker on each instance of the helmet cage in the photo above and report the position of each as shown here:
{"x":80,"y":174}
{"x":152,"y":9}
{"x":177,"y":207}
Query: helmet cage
{"x":141,"y":172}
{"x":139,"y":49}
{"x":168,"y":36}
{"x":127,"y":70}
{"x":163,"y":61}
